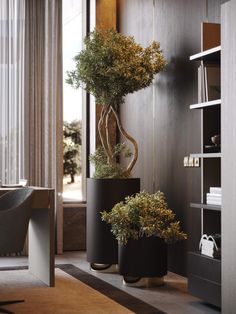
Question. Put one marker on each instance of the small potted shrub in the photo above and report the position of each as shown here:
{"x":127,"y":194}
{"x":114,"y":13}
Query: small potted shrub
{"x":143,"y":225}
{"x":111,"y":66}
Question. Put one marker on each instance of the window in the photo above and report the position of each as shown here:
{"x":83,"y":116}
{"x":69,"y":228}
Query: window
{"x":73,"y":165}
{"x":12,"y":30}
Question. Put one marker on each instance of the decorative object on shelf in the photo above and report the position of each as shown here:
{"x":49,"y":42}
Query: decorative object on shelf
{"x":214,"y":197}
{"x":111,"y":66}
{"x":191,"y":161}
{"x":216,"y":148}
{"x":216,"y":140}
{"x":143,"y":222}
{"x":185,"y":162}
{"x":210,"y":245}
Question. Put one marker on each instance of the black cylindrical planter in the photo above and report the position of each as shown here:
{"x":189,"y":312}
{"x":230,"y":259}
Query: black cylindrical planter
{"x":103,"y":194}
{"x":145,"y":257}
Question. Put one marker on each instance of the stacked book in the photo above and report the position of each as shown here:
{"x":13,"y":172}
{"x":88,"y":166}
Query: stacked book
{"x":208,"y":82}
{"x":214,"y":197}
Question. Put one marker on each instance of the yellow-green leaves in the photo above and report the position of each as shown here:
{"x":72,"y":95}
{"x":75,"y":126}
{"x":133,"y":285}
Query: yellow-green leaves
{"x":113,"y":65}
{"x":141,"y":215}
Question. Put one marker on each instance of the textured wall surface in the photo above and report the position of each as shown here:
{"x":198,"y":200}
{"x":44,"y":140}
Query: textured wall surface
{"x":74,"y":229}
{"x":159,"y":116}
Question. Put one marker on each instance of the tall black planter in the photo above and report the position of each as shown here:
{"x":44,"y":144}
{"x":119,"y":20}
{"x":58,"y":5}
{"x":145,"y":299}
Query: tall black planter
{"x":145,"y":257}
{"x":103,"y":194}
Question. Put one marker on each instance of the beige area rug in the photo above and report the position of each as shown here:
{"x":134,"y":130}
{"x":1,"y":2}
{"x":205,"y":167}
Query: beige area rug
{"x":75,"y":292}
{"x":68,"y":296}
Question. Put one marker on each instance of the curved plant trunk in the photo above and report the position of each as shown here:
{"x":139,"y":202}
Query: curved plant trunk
{"x":103,"y":129}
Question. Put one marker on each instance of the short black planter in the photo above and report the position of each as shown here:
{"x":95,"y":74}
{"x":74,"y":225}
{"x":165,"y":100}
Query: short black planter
{"x":145,"y":257}
{"x":103,"y":194}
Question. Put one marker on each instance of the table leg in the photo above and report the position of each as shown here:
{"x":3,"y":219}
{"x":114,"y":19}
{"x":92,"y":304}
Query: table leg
{"x":41,"y":245}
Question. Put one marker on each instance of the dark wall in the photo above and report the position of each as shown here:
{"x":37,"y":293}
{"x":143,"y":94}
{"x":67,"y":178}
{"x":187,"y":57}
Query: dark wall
{"x":159,"y":116}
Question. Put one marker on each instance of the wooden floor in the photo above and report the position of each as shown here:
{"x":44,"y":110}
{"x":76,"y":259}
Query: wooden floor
{"x":171,"y":298}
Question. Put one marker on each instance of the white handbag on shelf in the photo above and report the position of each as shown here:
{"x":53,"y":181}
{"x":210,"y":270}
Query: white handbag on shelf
{"x":208,"y":246}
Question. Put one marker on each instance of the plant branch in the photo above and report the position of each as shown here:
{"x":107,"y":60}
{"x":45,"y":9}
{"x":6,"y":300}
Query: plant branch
{"x":100,"y":124}
{"x":130,"y":138}
{"x":107,"y":133}
{"x":104,"y":112}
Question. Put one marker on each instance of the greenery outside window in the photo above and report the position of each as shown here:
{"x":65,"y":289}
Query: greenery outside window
{"x":74,"y":166}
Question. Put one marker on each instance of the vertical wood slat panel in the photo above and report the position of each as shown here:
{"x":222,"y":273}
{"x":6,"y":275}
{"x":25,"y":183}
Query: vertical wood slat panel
{"x":159,"y":116}
{"x":228,"y":132}
{"x":135,"y":18}
{"x":177,"y":129}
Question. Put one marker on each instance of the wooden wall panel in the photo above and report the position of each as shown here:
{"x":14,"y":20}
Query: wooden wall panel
{"x":106,"y":14}
{"x":177,"y":25}
{"x":135,"y":18}
{"x":214,"y":10}
{"x":159,"y":116}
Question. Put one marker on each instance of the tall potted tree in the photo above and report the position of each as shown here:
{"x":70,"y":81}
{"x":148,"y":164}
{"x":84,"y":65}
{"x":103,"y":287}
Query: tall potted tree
{"x":111,"y":66}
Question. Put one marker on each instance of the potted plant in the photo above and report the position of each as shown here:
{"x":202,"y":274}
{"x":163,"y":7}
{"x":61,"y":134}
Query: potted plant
{"x":143,"y":224}
{"x":111,"y":66}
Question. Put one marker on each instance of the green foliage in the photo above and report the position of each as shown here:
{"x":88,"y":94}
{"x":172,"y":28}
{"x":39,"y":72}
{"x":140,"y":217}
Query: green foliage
{"x":73,"y":130}
{"x":105,"y":170}
{"x":72,"y":148}
{"x":141,"y":215}
{"x":113,"y":65}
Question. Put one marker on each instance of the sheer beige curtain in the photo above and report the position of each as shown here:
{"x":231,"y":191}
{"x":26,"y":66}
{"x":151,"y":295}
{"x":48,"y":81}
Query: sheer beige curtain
{"x":43,"y":99}
{"x":12,"y":30}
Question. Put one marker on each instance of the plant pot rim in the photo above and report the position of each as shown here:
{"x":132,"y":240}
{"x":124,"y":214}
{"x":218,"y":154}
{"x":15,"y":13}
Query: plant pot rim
{"x":143,"y":237}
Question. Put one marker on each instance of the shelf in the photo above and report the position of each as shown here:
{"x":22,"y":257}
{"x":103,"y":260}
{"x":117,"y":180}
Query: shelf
{"x":206,"y":104}
{"x":198,"y":254}
{"x":204,"y":277}
{"x":212,"y":54}
{"x":206,"y":155}
{"x":206,"y":206}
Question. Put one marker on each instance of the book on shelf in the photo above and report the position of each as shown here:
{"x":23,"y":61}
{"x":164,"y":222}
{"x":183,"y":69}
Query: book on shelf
{"x":201,"y":84}
{"x":213,"y":202}
{"x":208,"y":82}
{"x":214,"y":196}
{"x":212,"y":81}
{"x":215,"y":190}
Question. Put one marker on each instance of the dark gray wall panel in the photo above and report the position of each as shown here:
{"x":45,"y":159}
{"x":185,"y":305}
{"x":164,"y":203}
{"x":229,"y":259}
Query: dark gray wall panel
{"x":159,"y":116}
{"x":214,"y":10}
{"x":177,"y":129}
{"x":137,"y":114}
